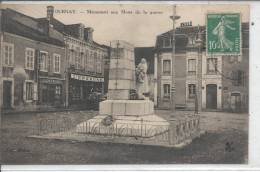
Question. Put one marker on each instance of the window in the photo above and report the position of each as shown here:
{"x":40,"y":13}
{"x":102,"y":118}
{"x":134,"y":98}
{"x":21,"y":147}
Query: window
{"x":192,"y":90}
{"x":57,"y":92}
{"x":238,"y":78}
{"x":99,"y":64}
{"x":82,"y":56}
{"x":56,"y":63}
{"x":191,"y":67}
{"x":29,"y":58}
{"x":212,"y":65}
{"x":77,"y":58}
{"x":234,"y":59}
{"x":167,"y":67}
{"x":71,"y":57}
{"x":166,"y":90}
{"x":95,"y":61}
{"x":86,"y":59}
{"x":91,"y":62}
{"x":29,"y":90}
{"x":49,"y":59}
{"x":8,"y":54}
{"x":57,"y":89}
{"x":167,"y":42}
{"x":77,"y":62}
{"x":43,"y":61}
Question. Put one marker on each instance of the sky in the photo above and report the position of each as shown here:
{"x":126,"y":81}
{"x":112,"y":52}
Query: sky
{"x":138,"y":29}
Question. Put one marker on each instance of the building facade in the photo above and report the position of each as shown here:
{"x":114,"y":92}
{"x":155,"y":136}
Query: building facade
{"x":217,"y":82}
{"x":84,"y":61}
{"x":33,"y":62}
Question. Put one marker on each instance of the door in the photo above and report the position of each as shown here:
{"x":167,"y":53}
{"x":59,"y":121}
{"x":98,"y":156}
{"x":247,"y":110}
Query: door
{"x":236,"y":102}
{"x":48,"y":94}
{"x":7,"y":94}
{"x":51,"y":94}
{"x":211,"y":100}
{"x":44,"y":94}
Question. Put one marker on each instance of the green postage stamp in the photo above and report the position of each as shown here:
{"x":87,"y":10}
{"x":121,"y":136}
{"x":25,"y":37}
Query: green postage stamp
{"x":223,"y":34}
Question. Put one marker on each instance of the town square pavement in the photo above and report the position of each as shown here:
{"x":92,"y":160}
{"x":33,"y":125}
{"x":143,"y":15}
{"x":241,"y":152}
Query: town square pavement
{"x":225,"y":141}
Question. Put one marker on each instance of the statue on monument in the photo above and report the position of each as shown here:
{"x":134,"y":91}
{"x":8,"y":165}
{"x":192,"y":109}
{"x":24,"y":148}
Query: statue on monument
{"x":142,"y":80}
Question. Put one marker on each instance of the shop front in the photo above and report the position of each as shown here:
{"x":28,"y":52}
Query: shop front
{"x":81,"y":89}
{"x":51,"y":92}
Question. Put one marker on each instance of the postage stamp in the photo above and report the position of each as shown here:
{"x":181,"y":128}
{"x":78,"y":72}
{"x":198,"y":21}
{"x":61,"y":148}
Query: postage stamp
{"x":224,"y":33}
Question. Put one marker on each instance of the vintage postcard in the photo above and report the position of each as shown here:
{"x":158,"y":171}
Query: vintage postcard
{"x":133,"y":83}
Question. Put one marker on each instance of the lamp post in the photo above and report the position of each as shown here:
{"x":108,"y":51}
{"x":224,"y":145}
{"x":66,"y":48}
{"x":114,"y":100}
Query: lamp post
{"x":172,"y":126}
{"x":174,"y":17}
{"x":199,"y":73}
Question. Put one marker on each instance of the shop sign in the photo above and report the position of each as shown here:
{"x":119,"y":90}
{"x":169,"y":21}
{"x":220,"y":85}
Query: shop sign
{"x":186,"y":24}
{"x":86,"y":78}
{"x":50,"y":81}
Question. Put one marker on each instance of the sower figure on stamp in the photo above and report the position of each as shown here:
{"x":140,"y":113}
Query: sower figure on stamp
{"x":142,"y":80}
{"x":219,"y":30}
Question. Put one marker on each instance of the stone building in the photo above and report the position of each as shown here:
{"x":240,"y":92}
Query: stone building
{"x":84,"y":60}
{"x":235,"y":80}
{"x":219,"y":82}
{"x":33,"y":62}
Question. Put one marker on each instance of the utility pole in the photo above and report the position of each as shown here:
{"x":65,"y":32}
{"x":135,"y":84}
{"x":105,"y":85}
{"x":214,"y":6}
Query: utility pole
{"x":174,"y":17}
{"x":1,"y":86}
{"x":172,"y":127}
{"x":199,"y":72}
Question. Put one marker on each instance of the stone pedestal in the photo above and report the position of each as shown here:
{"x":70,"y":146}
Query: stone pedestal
{"x":126,"y":107}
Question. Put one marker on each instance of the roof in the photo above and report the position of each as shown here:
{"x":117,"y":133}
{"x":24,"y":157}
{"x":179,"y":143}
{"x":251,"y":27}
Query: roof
{"x":59,"y":26}
{"x":181,"y":37}
{"x":148,"y":54}
{"x":70,"y":29}
{"x":29,"y":27}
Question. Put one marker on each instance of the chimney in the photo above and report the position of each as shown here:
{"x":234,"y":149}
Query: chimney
{"x":89,"y":34}
{"x":50,"y":11}
{"x":81,"y":31}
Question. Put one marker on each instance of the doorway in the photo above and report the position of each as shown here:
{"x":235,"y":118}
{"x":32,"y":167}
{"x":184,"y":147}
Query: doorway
{"x":7,"y":94}
{"x":236,"y":102}
{"x":48,"y":94}
{"x":211,"y":99}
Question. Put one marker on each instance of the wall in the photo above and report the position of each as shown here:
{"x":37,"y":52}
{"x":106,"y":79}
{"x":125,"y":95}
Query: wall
{"x":242,"y":63}
{"x":180,"y":77}
{"x":20,"y":74}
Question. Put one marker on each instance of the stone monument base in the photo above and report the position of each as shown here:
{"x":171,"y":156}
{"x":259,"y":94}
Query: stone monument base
{"x":126,"y":107}
{"x":130,"y":126}
{"x":125,"y":118}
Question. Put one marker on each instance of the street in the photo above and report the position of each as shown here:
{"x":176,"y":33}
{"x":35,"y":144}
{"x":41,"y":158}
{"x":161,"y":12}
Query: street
{"x":224,"y":141}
